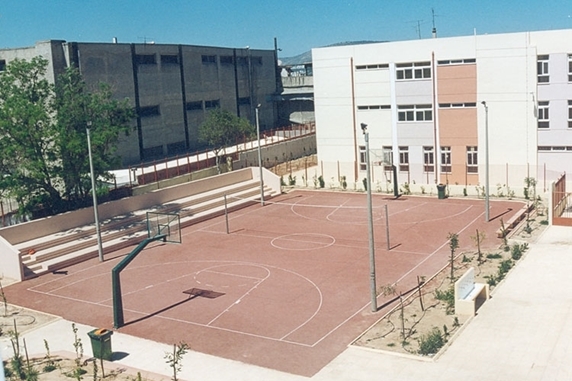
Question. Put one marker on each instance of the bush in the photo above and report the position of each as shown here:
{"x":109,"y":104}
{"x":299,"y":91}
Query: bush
{"x":447,"y":297}
{"x":430,"y":343}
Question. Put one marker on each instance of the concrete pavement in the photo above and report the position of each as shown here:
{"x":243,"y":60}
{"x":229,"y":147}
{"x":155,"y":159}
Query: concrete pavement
{"x":523,"y":333}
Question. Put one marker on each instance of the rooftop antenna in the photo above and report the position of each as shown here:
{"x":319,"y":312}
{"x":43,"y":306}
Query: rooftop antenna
{"x":146,"y":40}
{"x":418,"y":24}
{"x":434,"y":31}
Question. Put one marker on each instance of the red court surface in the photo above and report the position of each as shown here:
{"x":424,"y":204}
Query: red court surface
{"x":290,"y":282}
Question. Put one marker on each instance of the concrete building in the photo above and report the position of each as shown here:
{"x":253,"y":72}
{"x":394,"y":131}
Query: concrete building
{"x":172,"y":87}
{"x":424,"y":104}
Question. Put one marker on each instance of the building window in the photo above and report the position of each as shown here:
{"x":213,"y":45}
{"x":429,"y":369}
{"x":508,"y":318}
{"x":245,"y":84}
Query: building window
{"x":257,"y":60}
{"x":472,"y":160}
{"x":175,"y":148}
{"x":387,"y":158}
{"x":416,"y":70}
{"x":209,"y":105}
{"x":362,"y":160}
{"x":372,"y":67}
{"x":193,"y":106}
{"x":446,"y":159}
{"x":374,"y":107}
{"x":414,"y":113}
{"x":149,"y":111}
{"x":569,"y":67}
{"x":458,"y":105}
{"x":2,"y":65}
{"x":145,"y":59}
{"x":570,"y":114}
{"x":169,"y":59}
{"x":228,"y":60}
{"x":244,"y":101}
{"x":153,"y":152}
{"x":463,"y":61}
{"x":543,"y":120}
{"x":404,"y":159}
{"x":243,"y":61}
{"x":428,"y":159}
{"x":542,"y":69}
{"x":208,"y":59}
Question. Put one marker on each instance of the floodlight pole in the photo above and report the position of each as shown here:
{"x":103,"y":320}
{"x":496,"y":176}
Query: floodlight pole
{"x":487,"y":216}
{"x":259,"y":157}
{"x":373,"y":287}
{"x":95,"y":212}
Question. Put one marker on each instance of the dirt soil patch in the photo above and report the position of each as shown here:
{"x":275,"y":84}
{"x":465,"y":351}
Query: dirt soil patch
{"x":422,"y":322}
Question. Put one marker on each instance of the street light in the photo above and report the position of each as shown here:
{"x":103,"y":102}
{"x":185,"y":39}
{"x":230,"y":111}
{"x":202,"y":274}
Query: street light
{"x":259,"y":157}
{"x":95,"y":214}
{"x":373,"y":290}
{"x":486,"y":161}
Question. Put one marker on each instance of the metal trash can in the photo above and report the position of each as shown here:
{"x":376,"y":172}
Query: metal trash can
{"x":101,"y":343}
{"x":441,"y":191}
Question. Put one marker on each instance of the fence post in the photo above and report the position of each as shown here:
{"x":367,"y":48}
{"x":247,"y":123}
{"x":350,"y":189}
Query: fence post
{"x":155,"y":170}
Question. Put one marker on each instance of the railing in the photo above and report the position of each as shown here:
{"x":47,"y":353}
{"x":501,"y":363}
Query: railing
{"x":155,"y":171}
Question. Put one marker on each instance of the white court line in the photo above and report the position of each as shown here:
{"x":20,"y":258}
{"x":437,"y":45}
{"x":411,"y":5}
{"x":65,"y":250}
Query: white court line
{"x":256,"y":284}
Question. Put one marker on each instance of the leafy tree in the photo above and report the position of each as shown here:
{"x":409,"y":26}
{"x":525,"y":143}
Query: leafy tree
{"x":27,"y":149}
{"x":43,"y":144}
{"x":222,"y":129}
{"x":108,"y":118}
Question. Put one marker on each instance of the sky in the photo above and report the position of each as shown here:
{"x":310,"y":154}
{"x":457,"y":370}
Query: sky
{"x":297,"y":25}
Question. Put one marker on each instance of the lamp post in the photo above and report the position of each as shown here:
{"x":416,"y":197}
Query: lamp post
{"x":259,"y":157}
{"x":373,"y":290}
{"x":95,"y":214}
{"x":487,"y":217}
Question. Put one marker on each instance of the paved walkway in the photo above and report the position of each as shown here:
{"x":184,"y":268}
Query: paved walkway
{"x":523,"y":333}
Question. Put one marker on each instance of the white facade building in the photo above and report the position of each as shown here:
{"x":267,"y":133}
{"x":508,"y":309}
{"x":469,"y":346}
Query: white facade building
{"x":423,"y":103}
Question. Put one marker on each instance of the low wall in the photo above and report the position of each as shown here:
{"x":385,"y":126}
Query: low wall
{"x":193,"y":176}
{"x":277,"y":153}
{"x":10,"y":259}
{"x":38,"y":228}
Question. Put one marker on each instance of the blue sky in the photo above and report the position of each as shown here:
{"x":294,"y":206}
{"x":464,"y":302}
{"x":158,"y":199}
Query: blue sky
{"x":298,"y":25}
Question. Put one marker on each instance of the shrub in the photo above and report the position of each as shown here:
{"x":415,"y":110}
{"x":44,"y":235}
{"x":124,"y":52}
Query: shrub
{"x":430,"y":343}
{"x":447,"y":297}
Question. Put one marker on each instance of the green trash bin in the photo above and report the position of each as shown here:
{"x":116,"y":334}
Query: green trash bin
{"x":101,"y":343}
{"x":441,"y":191}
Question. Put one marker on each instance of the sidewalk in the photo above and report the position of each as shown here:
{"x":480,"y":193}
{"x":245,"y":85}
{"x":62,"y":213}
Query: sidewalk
{"x":522,"y":333}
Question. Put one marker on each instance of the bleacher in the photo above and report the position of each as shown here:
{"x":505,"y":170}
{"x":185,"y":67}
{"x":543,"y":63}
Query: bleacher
{"x":195,"y":202}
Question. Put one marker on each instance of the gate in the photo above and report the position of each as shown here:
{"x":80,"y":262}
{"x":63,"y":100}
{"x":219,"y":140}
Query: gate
{"x":561,"y":203}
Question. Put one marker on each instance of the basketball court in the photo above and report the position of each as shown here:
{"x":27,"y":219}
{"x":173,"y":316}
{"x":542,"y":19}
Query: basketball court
{"x":284,"y":286}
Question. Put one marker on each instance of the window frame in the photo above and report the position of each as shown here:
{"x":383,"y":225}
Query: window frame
{"x":212,"y":104}
{"x":403,"y":158}
{"x":208,"y":59}
{"x":446,"y":166}
{"x":543,"y":114}
{"x":472,"y":159}
{"x":570,"y":113}
{"x":542,"y":68}
{"x":411,"y":113}
{"x":362,"y":158}
{"x":428,"y":159}
{"x":413,"y":71}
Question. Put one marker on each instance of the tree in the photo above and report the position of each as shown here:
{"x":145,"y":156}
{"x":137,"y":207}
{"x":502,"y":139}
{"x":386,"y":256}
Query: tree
{"x":108,"y":118}
{"x":453,"y":245}
{"x":27,"y":149}
{"x":222,"y":129}
{"x":43,"y":143}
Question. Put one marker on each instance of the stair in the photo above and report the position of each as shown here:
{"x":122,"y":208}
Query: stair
{"x":62,"y":249}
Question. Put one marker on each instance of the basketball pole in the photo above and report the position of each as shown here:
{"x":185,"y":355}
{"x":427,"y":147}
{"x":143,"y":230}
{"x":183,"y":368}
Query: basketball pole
{"x":94,"y":195}
{"x":373,"y":288}
{"x":226,"y":213}
{"x":387,"y":227}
